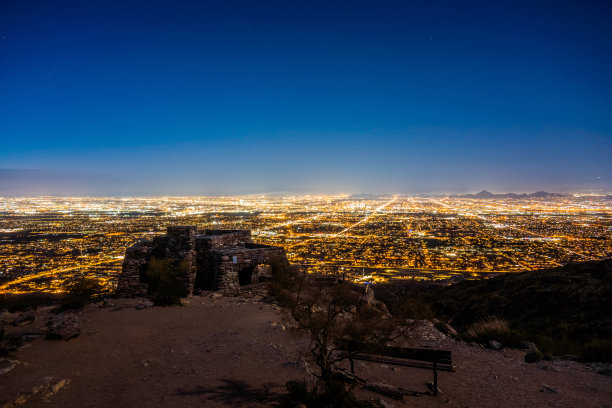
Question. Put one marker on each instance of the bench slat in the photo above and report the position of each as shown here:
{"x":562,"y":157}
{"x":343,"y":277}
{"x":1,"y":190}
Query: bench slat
{"x":392,"y":361}
{"x":440,"y":356}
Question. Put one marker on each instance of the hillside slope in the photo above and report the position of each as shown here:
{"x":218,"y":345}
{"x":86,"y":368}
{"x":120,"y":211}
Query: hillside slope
{"x":572,"y":302}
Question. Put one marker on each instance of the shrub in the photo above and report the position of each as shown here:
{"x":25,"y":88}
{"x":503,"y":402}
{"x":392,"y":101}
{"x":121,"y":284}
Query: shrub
{"x":597,"y":351}
{"x":493,"y":328}
{"x":81,"y":291}
{"x":8,"y":343}
{"x":487,"y":329}
{"x":413,"y":308}
{"x":556,"y":346}
{"x":283,"y":278}
{"x":165,"y":287}
{"x":533,"y":356}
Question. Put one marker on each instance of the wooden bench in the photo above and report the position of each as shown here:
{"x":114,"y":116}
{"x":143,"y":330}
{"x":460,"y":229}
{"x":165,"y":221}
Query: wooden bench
{"x":411,"y":357}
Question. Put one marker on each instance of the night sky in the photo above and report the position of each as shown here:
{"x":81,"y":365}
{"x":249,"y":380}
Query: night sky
{"x":230,"y":97}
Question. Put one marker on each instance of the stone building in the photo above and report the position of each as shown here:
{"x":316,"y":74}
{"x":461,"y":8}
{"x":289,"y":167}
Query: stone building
{"x":209,"y":259}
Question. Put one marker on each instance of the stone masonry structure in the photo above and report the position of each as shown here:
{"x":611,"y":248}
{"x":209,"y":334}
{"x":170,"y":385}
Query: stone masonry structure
{"x":205,"y":260}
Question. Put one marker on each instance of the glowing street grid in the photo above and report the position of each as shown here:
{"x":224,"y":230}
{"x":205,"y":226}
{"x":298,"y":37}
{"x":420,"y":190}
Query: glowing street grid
{"x":46,"y":240}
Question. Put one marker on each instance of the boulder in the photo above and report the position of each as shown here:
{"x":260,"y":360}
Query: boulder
{"x":7,"y":365}
{"x":529,"y":346}
{"x":64,"y":326}
{"x":23,"y":320}
{"x":495,"y":345}
{"x":368,"y":299}
{"x":145,"y":304}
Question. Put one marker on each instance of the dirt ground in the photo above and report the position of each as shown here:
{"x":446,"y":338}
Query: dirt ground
{"x":235,"y":351}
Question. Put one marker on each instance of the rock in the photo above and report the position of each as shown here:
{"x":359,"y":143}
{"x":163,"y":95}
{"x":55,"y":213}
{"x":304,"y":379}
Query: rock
{"x":216,"y":295}
{"x":549,"y":388}
{"x":108,"y":303}
{"x":7,"y":365}
{"x":20,"y":400}
{"x":37,"y":388}
{"x":23,"y":320}
{"x":294,"y":364}
{"x":58,"y":385}
{"x":386,"y":404}
{"x":64,"y":326}
{"x":29,"y":336}
{"x":529,"y":346}
{"x":495,"y":345}
{"x":547,"y":367}
{"x":451,"y":330}
{"x":605,"y":371}
{"x":601,"y":368}
{"x":145,"y":304}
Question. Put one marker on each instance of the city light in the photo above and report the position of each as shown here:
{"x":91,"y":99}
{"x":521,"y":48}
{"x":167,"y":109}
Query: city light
{"x":46,"y":240}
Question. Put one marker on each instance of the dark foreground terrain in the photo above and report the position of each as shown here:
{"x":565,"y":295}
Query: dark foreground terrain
{"x":236,"y":351}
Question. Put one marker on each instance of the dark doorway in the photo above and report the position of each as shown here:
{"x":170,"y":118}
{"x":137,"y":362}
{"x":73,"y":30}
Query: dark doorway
{"x":245,"y":275}
{"x":206,"y":278}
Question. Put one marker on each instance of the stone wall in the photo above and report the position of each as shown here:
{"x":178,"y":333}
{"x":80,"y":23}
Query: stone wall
{"x":208,"y":259}
{"x":136,"y":257}
{"x":215,"y":239}
{"x":181,"y":251}
{"x":230,"y":265}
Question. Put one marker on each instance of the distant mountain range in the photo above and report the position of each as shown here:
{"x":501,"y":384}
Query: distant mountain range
{"x":366,"y":196}
{"x":537,"y":194}
{"x":483,"y":194}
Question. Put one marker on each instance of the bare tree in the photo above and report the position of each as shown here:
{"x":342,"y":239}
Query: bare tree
{"x":333,"y":313}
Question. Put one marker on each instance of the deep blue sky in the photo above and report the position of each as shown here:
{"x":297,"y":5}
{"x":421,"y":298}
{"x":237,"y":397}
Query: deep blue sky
{"x":196,"y":97}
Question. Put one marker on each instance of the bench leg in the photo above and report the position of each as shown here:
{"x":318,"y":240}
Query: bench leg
{"x":435,"y":380}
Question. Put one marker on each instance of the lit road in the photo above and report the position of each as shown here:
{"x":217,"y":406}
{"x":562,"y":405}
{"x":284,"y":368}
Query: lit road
{"x":365,"y":219}
{"x":52,"y":273}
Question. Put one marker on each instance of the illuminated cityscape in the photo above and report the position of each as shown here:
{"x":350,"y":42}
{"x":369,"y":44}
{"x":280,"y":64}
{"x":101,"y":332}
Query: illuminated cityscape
{"x":46,"y":240}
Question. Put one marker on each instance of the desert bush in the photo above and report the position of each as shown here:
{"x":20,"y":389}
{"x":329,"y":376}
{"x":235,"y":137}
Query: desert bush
{"x":487,"y":329}
{"x":165,"y":288}
{"x":8,"y":343}
{"x":533,"y":356}
{"x":597,"y":351}
{"x":283,"y":278}
{"x":493,"y":328}
{"x":80,"y":291}
{"x":555,"y":346}
{"x":411,"y":307}
{"x":331,"y":314}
